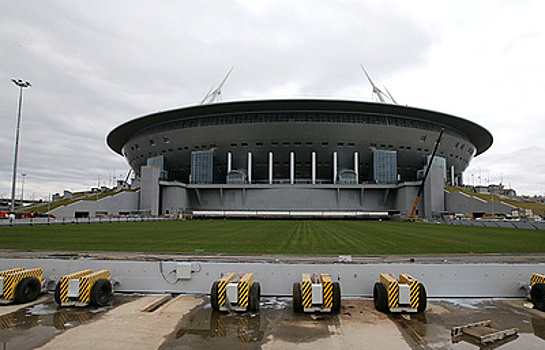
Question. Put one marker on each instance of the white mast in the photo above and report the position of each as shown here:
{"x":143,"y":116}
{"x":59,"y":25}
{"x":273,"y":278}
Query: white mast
{"x":213,"y":95}
{"x":383,"y":97}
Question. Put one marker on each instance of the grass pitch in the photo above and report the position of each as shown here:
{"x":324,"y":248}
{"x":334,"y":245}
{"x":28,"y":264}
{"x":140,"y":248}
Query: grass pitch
{"x":275,"y":237}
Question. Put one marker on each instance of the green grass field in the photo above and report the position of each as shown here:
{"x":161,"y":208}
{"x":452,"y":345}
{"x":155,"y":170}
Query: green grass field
{"x":275,"y":237}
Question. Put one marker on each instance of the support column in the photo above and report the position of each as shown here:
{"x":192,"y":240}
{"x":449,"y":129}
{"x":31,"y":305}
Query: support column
{"x":452,"y":178}
{"x":292,"y":168}
{"x":357,"y":167}
{"x":271,"y":163}
{"x":334,"y":167}
{"x":229,"y":162}
{"x":249,"y":167}
{"x":314,"y":168}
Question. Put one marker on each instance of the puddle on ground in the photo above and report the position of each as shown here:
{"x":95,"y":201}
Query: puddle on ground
{"x":204,"y":328}
{"x":35,"y":325}
{"x":431,"y":330}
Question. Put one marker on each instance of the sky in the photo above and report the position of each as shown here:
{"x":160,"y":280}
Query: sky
{"x":96,"y":64}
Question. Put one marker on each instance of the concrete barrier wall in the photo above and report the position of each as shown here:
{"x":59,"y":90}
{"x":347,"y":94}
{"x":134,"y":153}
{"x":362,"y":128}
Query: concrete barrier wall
{"x":531,"y":225}
{"x":122,"y":202}
{"x":357,"y":280}
{"x":462,"y":203}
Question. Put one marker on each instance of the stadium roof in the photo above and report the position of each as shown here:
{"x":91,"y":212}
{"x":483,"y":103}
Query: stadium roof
{"x":477,"y":135}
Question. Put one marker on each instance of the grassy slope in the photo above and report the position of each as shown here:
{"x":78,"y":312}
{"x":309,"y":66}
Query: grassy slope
{"x":275,"y":237}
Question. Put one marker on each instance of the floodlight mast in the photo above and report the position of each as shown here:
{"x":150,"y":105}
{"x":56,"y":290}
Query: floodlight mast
{"x":213,"y":95}
{"x":21,"y":84}
{"x":383,"y":97}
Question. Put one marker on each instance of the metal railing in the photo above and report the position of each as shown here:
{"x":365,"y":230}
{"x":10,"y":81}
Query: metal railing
{"x":75,"y":221}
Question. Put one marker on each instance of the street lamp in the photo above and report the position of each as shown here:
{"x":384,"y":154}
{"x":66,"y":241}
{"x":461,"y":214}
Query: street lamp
{"x":21,"y":84}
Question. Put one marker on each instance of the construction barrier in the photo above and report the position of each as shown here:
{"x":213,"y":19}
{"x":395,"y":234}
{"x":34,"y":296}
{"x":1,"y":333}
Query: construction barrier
{"x":84,"y":288}
{"x":537,"y":291}
{"x":403,"y":295}
{"x":20,"y":285}
{"x":318,"y":293}
{"x":234,"y":293}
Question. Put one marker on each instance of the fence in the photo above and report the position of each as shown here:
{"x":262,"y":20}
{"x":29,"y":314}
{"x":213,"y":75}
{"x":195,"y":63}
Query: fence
{"x":68,"y":221}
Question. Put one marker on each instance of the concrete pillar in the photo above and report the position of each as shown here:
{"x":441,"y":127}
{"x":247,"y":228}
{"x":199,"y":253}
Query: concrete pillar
{"x":452,"y":176}
{"x":271,"y":163}
{"x":249,"y":167}
{"x":434,"y":190}
{"x":357,"y":166}
{"x":314,"y":168}
{"x":229,"y":162}
{"x":292,"y":168}
{"x":334,"y":167}
{"x":150,"y":190}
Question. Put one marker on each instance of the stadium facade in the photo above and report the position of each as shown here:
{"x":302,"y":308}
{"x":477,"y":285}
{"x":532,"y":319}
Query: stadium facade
{"x":298,"y":157}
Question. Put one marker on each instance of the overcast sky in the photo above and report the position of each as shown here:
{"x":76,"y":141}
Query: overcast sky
{"x":96,"y":64}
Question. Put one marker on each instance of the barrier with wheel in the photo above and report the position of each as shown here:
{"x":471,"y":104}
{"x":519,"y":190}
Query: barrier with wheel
{"x":84,"y":288}
{"x":234,"y":293}
{"x":316,"y":294}
{"x":403,"y":295}
{"x":537,"y":291}
{"x":20,"y":285}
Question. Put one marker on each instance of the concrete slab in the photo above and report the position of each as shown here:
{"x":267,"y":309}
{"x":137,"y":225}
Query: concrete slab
{"x":127,"y":327}
{"x":7,"y":309}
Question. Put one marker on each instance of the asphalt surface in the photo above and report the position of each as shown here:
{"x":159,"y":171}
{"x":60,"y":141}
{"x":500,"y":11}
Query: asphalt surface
{"x":306,"y":259}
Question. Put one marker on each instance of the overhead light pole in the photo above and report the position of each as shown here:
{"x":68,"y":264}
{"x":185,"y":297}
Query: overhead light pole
{"x":21,"y":84}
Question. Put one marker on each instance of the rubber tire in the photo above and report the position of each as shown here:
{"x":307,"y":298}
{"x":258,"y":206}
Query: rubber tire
{"x":255,"y":296}
{"x":101,"y":292}
{"x":380,"y":297}
{"x":27,"y":290}
{"x":336,"y":297}
{"x":297,"y":298}
{"x":423,"y":302}
{"x":214,"y":297}
{"x":58,"y":293}
{"x":537,"y":295}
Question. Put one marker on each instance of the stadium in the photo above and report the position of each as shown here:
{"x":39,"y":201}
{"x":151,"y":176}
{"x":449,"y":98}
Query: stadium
{"x":297,"y":157}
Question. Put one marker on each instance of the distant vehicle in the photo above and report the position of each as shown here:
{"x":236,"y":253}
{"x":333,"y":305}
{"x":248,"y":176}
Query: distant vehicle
{"x":32,"y":214}
{"x":6,"y":214}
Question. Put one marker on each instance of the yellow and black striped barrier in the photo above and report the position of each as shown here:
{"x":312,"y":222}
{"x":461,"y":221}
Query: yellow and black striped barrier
{"x":316,"y":294}
{"x":537,"y":291}
{"x":20,"y":285}
{"x":243,"y":289}
{"x":235,"y":293}
{"x":83,"y":288}
{"x":87,"y":282}
{"x":403,"y":295}
{"x":222,"y":287}
{"x":63,"y":283}
{"x":328,"y":291}
{"x":307,"y":291}
{"x":537,"y":278}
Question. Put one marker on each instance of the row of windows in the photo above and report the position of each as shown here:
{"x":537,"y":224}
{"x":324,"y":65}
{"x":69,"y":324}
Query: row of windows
{"x":275,"y":144}
{"x":292,"y":117}
{"x":135,"y":147}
